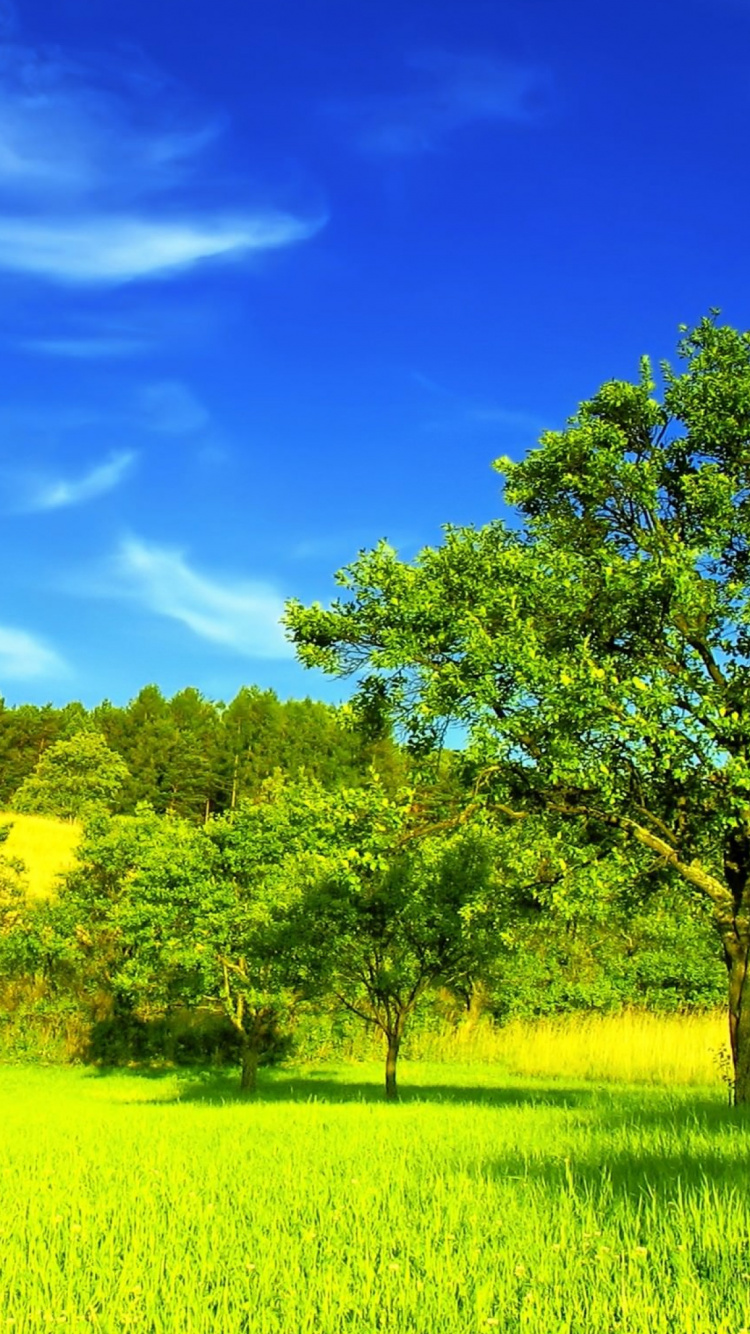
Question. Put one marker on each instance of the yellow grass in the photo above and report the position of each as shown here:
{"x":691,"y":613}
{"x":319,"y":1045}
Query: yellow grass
{"x":631,"y":1047}
{"x":47,"y":848}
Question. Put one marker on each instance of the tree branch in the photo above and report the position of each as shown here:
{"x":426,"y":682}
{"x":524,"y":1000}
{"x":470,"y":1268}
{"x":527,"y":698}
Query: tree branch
{"x":691,"y":871}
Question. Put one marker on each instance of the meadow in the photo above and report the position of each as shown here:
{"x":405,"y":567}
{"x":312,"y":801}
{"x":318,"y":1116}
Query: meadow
{"x":161,"y":1201}
{"x":46,"y":846}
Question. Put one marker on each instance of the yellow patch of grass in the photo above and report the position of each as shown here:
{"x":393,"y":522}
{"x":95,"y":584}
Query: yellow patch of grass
{"x":47,"y":848}
{"x":630,"y":1047}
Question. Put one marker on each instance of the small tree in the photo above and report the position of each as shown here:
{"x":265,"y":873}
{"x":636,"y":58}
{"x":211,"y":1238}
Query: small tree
{"x":386,"y":911}
{"x":168,"y":911}
{"x":73,"y":778}
{"x":401,"y":926}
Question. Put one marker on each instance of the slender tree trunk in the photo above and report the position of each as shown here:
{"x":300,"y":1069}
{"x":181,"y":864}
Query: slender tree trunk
{"x":249,"y":1076}
{"x":391,"y":1060}
{"x":738,"y":963}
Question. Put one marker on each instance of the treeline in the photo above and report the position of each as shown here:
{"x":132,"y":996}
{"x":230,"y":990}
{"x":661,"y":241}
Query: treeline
{"x":194,"y":756}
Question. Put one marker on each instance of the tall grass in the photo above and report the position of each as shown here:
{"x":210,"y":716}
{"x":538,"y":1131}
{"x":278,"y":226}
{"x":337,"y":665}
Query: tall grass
{"x":478,"y":1204}
{"x":630,"y":1047}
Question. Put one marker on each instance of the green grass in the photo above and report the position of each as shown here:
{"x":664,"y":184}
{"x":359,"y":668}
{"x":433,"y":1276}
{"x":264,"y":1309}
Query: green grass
{"x":479,"y":1203}
{"x":47,"y":848}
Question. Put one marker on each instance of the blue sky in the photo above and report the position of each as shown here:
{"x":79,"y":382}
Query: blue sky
{"x":280,"y":279}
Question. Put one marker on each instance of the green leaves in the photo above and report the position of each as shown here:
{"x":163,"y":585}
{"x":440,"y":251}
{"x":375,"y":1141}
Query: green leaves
{"x":73,"y":778}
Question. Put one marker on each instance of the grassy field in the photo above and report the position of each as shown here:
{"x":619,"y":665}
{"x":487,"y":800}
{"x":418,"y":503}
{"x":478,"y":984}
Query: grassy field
{"x":46,"y":847}
{"x":481,"y":1202}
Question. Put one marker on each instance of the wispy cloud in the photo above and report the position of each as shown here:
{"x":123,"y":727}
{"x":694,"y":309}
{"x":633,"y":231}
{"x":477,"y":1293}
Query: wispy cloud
{"x":63,"y":113}
{"x":504,"y":424}
{"x":60,"y":493}
{"x":237,"y":615}
{"x":23,"y":656}
{"x":108,"y":249}
{"x":101,"y":180}
{"x":338,"y":546}
{"x":510,"y":419}
{"x":447,"y":93}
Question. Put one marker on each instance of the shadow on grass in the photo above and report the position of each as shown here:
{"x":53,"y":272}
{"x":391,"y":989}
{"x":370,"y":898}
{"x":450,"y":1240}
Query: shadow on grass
{"x":616,"y":1105}
{"x":651,"y":1154}
{"x":220,"y":1087}
{"x":644,"y":1144}
{"x":643,"y":1176}
{"x":311,"y":1086}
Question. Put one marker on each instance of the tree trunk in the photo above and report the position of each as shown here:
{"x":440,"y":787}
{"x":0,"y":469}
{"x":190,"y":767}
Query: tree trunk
{"x":391,"y":1089}
{"x":248,"y":1078}
{"x":738,"y":960}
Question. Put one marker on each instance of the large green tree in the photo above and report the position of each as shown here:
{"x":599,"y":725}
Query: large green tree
{"x":73,"y":778}
{"x":596,"y":648}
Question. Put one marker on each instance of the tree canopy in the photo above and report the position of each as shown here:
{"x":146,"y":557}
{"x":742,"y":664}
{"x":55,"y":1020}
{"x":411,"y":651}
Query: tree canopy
{"x":73,"y":778}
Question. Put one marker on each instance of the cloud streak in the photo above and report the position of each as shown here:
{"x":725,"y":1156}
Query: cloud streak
{"x":449,"y":92}
{"x":458,"y":413}
{"x":61,"y":493}
{"x":62,"y":115}
{"x":241,"y":616}
{"x":24,"y":657}
{"x":113,"y":250}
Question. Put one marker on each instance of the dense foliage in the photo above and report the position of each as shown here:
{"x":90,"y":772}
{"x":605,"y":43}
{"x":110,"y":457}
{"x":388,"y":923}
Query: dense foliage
{"x":188,"y":754}
{"x":274,"y":922}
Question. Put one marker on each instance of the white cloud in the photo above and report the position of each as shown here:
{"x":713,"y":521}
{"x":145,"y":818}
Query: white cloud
{"x":242,"y":616}
{"x":113,"y":250}
{"x":23,"y":656}
{"x":59,"y":493}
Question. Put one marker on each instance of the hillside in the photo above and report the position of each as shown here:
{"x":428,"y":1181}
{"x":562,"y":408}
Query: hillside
{"x":46,"y":846}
